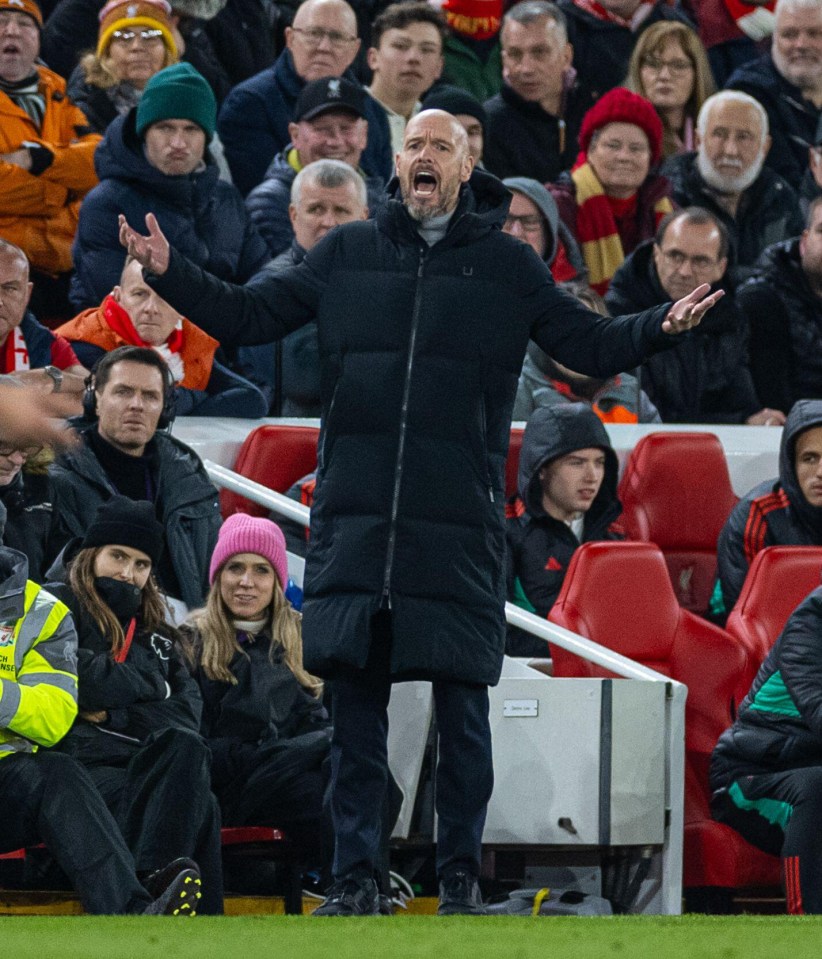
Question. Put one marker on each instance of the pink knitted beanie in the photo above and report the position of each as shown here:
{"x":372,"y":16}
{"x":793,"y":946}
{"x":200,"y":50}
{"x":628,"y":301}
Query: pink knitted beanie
{"x":241,"y":533}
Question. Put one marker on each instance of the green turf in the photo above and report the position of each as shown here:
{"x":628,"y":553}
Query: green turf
{"x":412,"y":937}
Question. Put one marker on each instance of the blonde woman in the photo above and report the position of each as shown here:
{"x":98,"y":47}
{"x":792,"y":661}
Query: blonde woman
{"x":669,"y":67}
{"x":262,"y":716}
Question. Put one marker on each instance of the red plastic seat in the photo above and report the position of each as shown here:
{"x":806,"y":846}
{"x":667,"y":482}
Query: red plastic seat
{"x":779,"y":579}
{"x":512,"y":462}
{"x":275,"y":456}
{"x":676,"y":492}
{"x":620,"y":596}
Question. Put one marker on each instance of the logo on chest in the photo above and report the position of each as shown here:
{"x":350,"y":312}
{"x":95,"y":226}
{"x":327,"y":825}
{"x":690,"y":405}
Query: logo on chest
{"x":161,"y":646}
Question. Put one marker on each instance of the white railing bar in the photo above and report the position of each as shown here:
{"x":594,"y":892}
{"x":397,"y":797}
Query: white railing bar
{"x":541,"y":628}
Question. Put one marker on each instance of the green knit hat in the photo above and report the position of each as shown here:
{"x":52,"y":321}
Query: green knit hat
{"x":177,"y":93}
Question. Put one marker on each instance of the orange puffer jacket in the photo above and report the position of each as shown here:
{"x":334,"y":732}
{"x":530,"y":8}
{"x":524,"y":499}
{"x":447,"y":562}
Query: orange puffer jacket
{"x":39,"y":213}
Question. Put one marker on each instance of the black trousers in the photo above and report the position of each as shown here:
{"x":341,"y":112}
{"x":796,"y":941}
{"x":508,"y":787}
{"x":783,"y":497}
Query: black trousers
{"x":464,"y":775}
{"x":162,"y":801}
{"x":780,"y":813}
{"x":48,"y":798}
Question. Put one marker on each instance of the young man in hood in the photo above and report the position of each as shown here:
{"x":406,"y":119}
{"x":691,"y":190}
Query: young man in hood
{"x":786,"y":511}
{"x":567,"y":487}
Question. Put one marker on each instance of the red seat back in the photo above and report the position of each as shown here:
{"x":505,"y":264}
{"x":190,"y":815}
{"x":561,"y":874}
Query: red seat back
{"x":676,"y":492}
{"x":779,"y":579}
{"x":512,"y":463}
{"x":275,"y":456}
{"x":620,"y":596}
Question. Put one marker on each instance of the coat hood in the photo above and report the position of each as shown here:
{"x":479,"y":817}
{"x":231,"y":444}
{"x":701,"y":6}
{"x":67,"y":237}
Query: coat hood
{"x":803,"y":415}
{"x":554,"y":431}
{"x":14,"y":571}
{"x":120,"y":156}
{"x":545,"y":203}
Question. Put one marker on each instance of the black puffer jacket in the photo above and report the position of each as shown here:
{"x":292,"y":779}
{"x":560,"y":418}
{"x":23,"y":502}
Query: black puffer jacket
{"x":768,"y":210}
{"x":200,"y":214}
{"x":420,"y":352}
{"x":186,"y":503}
{"x":540,"y":546}
{"x":779,"y":725}
{"x":792,"y":120}
{"x":151,"y":690}
{"x":773,"y":513}
{"x":705,"y":378}
{"x":785,"y":319}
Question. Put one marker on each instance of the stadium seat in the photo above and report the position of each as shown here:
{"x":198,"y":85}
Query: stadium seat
{"x":275,"y":456}
{"x":512,"y":463}
{"x":779,"y":579}
{"x":676,"y":492}
{"x":620,"y":596}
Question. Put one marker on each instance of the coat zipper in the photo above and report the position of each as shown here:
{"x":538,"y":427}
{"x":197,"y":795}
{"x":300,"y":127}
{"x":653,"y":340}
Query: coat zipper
{"x":395,"y":501}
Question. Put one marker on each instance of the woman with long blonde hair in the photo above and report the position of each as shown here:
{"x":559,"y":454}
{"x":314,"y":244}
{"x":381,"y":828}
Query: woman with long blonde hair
{"x":262,"y":716}
{"x":670,"y":68}
{"x":137,"y":731}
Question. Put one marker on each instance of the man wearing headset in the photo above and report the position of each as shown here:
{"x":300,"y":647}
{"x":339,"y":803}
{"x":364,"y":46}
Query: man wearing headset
{"x":125,"y":449}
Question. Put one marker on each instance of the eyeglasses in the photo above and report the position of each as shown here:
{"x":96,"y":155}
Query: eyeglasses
{"x":314,"y":36}
{"x":699,"y":263}
{"x":21,"y":20}
{"x":532,"y":223}
{"x":27,"y":452}
{"x":675,"y":67}
{"x":129,"y":36}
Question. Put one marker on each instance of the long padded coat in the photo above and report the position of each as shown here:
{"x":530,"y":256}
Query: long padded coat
{"x":420,"y":352}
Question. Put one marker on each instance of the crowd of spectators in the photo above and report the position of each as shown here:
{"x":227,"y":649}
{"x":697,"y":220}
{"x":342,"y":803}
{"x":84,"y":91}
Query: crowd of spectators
{"x":648,"y":146}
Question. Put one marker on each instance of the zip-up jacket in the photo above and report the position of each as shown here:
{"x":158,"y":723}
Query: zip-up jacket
{"x":540,"y":546}
{"x":779,"y":725}
{"x":38,"y":661}
{"x":420,"y":353}
{"x":186,"y":503}
{"x":774,"y":513}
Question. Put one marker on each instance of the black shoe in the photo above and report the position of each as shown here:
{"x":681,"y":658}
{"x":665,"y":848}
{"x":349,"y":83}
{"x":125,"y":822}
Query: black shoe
{"x":460,"y":895}
{"x":156,"y":883}
{"x":385,"y":905}
{"x":351,"y":897}
{"x":181,"y":895}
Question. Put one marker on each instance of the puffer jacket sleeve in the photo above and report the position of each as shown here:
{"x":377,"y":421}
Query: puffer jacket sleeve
{"x":42,"y":703}
{"x":73,"y":164}
{"x":180,"y":708}
{"x":267,"y":205}
{"x":106,"y":684}
{"x":732,"y":556}
{"x":97,"y":253}
{"x":799,"y":655}
{"x":22,"y":194}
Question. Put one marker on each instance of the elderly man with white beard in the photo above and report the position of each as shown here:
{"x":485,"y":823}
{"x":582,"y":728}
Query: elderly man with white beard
{"x":727,"y":176}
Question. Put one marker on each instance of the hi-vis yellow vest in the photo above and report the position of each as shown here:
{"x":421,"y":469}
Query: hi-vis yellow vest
{"x":38,"y":674}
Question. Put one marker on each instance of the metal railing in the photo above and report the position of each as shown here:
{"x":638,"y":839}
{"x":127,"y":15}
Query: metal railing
{"x":669,"y":866}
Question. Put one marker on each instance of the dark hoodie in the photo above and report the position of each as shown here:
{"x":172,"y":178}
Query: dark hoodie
{"x":705,"y":378}
{"x":774,"y":513}
{"x":539,"y":546}
{"x":202,"y":216}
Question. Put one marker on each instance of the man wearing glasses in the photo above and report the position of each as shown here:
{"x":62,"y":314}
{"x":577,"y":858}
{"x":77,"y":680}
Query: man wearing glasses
{"x":46,"y":148}
{"x":253,"y":121}
{"x":728,"y":176}
{"x":705,"y":378}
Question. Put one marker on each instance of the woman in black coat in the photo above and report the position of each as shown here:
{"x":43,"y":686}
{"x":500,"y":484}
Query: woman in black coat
{"x":137,"y":728}
{"x":262,"y":716}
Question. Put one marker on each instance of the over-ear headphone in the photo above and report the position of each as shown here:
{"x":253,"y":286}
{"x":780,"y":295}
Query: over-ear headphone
{"x":167,"y":413}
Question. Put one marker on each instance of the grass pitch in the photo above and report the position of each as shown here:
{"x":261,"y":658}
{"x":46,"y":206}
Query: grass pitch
{"x":412,"y":937}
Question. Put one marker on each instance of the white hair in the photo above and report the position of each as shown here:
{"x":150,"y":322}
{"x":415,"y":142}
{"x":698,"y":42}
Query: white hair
{"x":329,"y":174}
{"x":735,"y":96}
{"x":792,"y":5}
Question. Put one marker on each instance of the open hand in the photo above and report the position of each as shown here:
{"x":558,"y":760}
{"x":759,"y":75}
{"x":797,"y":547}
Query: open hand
{"x":152,"y":252}
{"x":31,"y":418}
{"x":688,"y":312}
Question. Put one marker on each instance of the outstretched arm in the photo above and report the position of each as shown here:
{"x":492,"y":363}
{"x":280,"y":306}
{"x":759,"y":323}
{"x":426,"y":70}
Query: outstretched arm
{"x":688,"y":312}
{"x":266,"y":309}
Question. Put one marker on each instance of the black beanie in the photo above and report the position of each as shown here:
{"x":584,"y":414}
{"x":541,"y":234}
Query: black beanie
{"x":455,"y":100}
{"x":126,"y":522}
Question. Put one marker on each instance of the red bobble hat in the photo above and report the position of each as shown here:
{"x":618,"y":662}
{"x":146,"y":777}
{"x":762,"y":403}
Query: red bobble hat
{"x":622,"y":106}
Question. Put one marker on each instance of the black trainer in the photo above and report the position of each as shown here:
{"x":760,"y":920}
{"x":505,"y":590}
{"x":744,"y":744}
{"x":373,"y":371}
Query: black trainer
{"x":351,"y":896}
{"x":460,"y":895}
{"x":181,"y":895}
{"x":156,"y":883}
